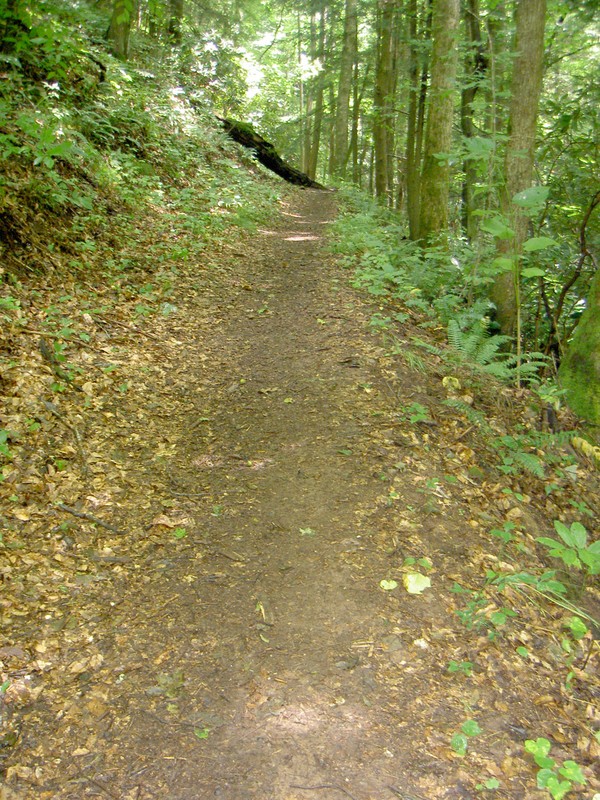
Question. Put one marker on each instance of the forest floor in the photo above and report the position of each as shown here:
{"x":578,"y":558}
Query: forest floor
{"x":198,"y":610}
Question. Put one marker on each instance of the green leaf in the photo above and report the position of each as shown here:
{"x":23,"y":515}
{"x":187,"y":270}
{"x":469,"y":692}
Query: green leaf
{"x":471,"y":728}
{"x":504,"y":263}
{"x":564,"y":532}
{"x":538,"y":243}
{"x":498,"y":228}
{"x":180,"y":533}
{"x":543,"y":776}
{"x":459,"y":743}
{"x":201,"y":733}
{"x":591,"y":560}
{"x":569,"y":556}
{"x":572,"y":772}
{"x":466,"y":667}
{"x":531,"y":198}
{"x":533,"y":272}
{"x":388,"y":586}
{"x":557,"y":788}
{"x":548,"y":542}
{"x":579,"y":535}
{"x":539,"y":746}
{"x":491,"y":783}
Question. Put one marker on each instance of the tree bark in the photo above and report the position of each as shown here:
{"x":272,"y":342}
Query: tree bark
{"x":265,"y":152}
{"x":525,"y":93}
{"x":435,"y":181}
{"x":416,"y":105}
{"x":475,"y":69}
{"x":175,"y":21}
{"x":349,"y":47}
{"x":318,"y":89}
{"x":119,"y":28}
{"x":383,"y":99}
{"x":580,"y":370}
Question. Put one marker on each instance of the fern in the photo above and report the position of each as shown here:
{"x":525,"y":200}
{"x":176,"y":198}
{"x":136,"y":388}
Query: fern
{"x":413,"y":361}
{"x":472,"y":415}
{"x":477,"y":349}
{"x":530,"y":462}
{"x":455,"y":336}
{"x":430,"y":348}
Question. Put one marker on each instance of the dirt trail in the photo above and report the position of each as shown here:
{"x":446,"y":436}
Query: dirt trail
{"x":274,"y":642}
{"x":237,"y":644}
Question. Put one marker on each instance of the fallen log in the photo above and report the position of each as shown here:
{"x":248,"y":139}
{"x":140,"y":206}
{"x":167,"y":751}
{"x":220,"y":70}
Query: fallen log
{"x":245,"y":135}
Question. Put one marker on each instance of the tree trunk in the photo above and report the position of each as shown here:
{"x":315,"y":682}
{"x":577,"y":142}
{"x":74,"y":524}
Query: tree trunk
{"x":414,"y":131}
{"x":349,"y":47}
{"x":435,"y":181}
{"x":526,"y":89}
{"x":383,"y":99}
{"x":319,"y":89}
{"x":475,"y":68}
{"x":580,"y":370}
{"x":175,"y":21}
{"x":119,"y":28}
{"x":265,"y":153}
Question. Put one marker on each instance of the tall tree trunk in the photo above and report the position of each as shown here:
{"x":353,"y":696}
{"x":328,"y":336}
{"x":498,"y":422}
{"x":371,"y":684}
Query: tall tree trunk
{"x":475,"y":68}
{"x":418,"y":77}
{"x":175,"y":21}
{"x":119,"y":28}
{"x":580,"y":369}
{"x":349,"y":48}
{"x":525,"y":94}
{"x":435,"y":181}
{"x":318,"y":99}
{"x":303,"y":97}
{"x":383,"y":98}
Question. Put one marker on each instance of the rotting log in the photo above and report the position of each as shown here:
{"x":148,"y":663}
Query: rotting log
{"x":245,"y":135}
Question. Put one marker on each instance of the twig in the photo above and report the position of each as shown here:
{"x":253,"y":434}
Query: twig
{"x":463,"y":434}
{"x":324,"y":786}
{"x":403,"y":796}
{"x":78,"y":342}
{"x":133,"y":329}
{"x":53,"y":410}
{"x":89,"y":517}
{"x":98,"y":785}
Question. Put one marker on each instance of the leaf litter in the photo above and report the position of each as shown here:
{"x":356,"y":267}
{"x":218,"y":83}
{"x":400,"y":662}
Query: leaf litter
{"x":192,"y":566}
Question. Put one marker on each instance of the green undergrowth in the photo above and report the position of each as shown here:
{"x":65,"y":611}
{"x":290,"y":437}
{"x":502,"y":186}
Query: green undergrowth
{"x":433,"y":319}
{"x":89,"y":145}
{"x":440,"y":296}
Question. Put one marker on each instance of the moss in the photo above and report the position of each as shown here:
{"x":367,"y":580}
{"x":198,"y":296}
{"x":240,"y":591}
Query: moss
{"x":580,"y":370}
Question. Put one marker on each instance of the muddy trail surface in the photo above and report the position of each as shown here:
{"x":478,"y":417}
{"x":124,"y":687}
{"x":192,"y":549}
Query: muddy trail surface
{"x":227,"y":635}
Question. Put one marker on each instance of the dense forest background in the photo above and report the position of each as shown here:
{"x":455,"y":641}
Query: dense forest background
{"x":473,"y":124}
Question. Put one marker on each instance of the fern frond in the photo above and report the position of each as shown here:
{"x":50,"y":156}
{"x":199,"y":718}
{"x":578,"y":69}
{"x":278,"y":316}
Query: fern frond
{"x":499,"y":369}
{"x":413,"y":360}
{"x":530,"y":462}
{"x":426,"y":346}
{"x":455,"y":336}
{"x":488,"y":350}
{"x":472,"y":415}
